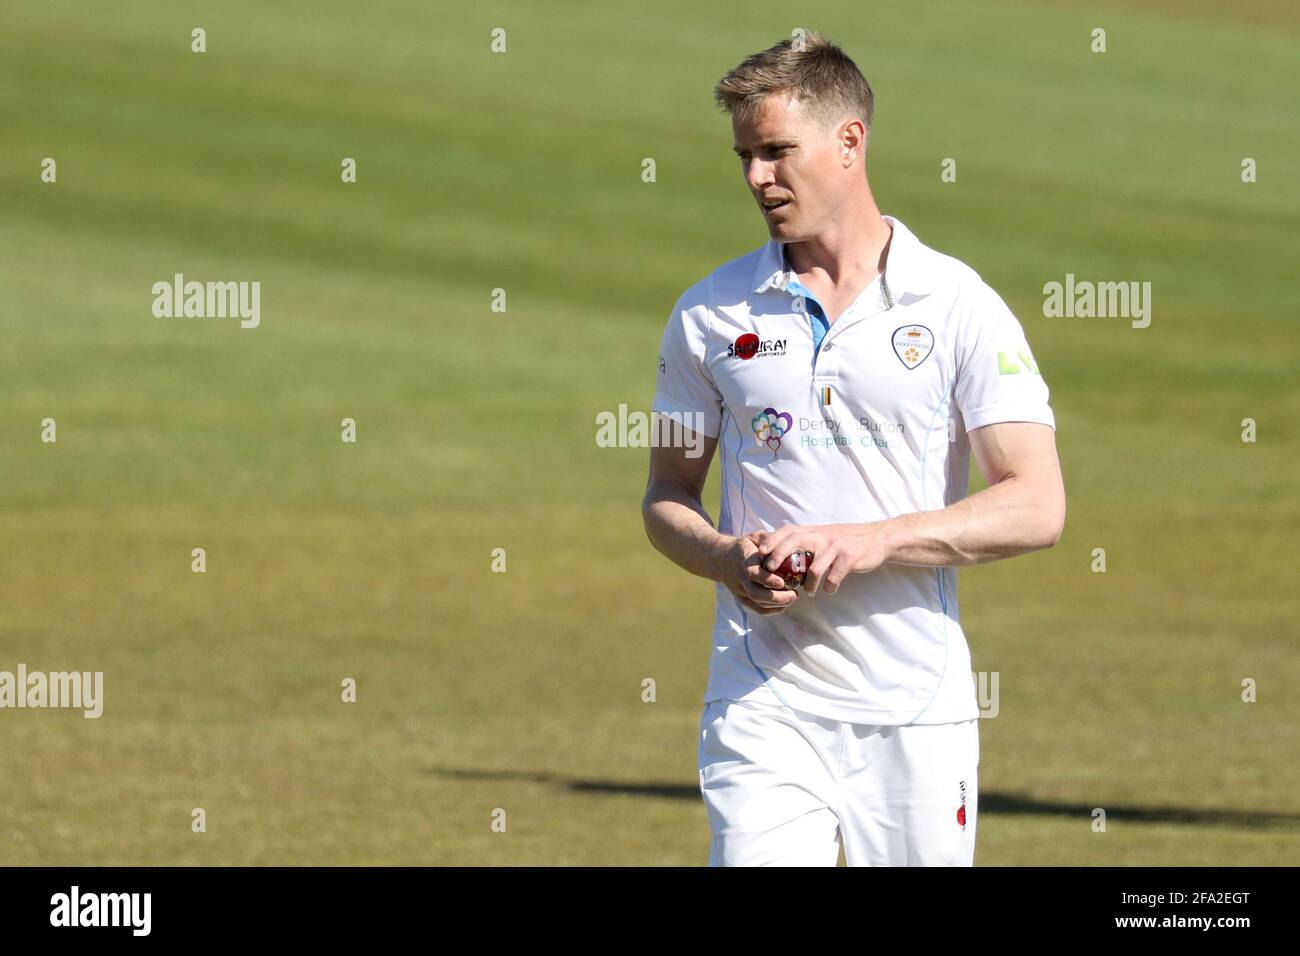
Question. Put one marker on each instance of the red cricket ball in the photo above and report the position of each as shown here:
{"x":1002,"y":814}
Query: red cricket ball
{"x":793,"y":569}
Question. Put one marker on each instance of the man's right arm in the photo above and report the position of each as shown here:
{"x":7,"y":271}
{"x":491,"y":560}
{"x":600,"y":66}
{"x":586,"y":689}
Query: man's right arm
{"x":679,"y":527}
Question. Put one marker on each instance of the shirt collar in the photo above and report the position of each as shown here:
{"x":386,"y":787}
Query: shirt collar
{"x":904,"y":269}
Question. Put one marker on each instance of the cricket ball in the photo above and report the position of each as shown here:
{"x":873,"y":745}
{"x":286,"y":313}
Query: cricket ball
{"x":793,"y":569}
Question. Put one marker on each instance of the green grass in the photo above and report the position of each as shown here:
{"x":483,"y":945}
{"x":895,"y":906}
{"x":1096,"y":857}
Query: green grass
{"x":521,"y":690}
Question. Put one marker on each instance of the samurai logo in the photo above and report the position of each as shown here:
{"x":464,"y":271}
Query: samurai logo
{"x":750,"y":346}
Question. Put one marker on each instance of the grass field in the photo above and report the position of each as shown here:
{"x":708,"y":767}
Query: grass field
{"x":476,"y":171}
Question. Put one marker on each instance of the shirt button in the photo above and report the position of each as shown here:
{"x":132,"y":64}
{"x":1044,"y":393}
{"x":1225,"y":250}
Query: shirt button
{"x":829,"y":346}
{"x":798,"y":305}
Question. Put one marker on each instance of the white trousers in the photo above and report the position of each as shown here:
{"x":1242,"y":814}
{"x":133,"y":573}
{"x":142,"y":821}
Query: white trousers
{"x":783,"y":788}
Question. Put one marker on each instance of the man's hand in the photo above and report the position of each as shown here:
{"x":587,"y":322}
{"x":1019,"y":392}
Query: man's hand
{"x":838,"y":550}
{"x":740,"y":569}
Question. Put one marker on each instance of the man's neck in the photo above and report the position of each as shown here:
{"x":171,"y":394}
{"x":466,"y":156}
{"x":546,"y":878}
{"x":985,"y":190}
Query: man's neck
{"x":852,"y":250}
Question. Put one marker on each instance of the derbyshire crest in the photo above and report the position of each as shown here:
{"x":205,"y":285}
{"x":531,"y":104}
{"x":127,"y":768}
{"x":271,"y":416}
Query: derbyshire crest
{"x":913,"y":344}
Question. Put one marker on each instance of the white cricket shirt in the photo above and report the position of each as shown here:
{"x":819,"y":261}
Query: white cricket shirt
{"x":858,"y":431}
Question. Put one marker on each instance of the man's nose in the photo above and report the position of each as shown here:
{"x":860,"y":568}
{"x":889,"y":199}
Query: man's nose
{"x":759,"y":174}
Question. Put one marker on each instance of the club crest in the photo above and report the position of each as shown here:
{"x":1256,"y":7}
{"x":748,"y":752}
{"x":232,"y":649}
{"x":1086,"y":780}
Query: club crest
{"x":913,"y":344}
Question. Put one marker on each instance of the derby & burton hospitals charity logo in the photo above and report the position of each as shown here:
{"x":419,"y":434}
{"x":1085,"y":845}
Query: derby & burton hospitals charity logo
{"x":770,"y":425}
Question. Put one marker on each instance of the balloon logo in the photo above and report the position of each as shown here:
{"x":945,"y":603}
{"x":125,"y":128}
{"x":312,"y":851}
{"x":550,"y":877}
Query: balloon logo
{"x":770,"y":426}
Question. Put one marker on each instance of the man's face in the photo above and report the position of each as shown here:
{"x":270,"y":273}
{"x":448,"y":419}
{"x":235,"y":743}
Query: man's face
{"x":788,"y":158}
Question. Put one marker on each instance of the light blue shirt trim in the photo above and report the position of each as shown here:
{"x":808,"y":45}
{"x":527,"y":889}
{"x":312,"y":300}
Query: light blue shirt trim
{"x":816,"y":312}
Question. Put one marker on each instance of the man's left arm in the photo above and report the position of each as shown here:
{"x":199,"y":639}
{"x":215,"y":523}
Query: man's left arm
{"x":1021,"y":510}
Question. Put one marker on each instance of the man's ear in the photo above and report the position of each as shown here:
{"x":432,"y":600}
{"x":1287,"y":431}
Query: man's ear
{"x":851,"y":137}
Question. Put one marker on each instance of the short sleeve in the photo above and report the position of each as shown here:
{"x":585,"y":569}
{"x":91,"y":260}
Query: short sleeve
{"x":998,"y":379}
{"x":685,"y":387}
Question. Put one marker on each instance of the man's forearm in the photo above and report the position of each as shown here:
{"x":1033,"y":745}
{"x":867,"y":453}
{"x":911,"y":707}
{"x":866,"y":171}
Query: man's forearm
{"x":680,"y":529}
{"x":1001,"y":521}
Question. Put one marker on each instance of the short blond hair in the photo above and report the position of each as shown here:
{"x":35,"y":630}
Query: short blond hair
{"x":819,"y":74}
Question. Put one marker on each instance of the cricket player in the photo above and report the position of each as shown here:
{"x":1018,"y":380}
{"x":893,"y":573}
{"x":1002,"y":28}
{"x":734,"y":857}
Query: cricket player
{"x":845,"y":372}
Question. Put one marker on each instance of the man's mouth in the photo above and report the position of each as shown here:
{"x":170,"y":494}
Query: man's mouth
{"x":772,"y":205}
